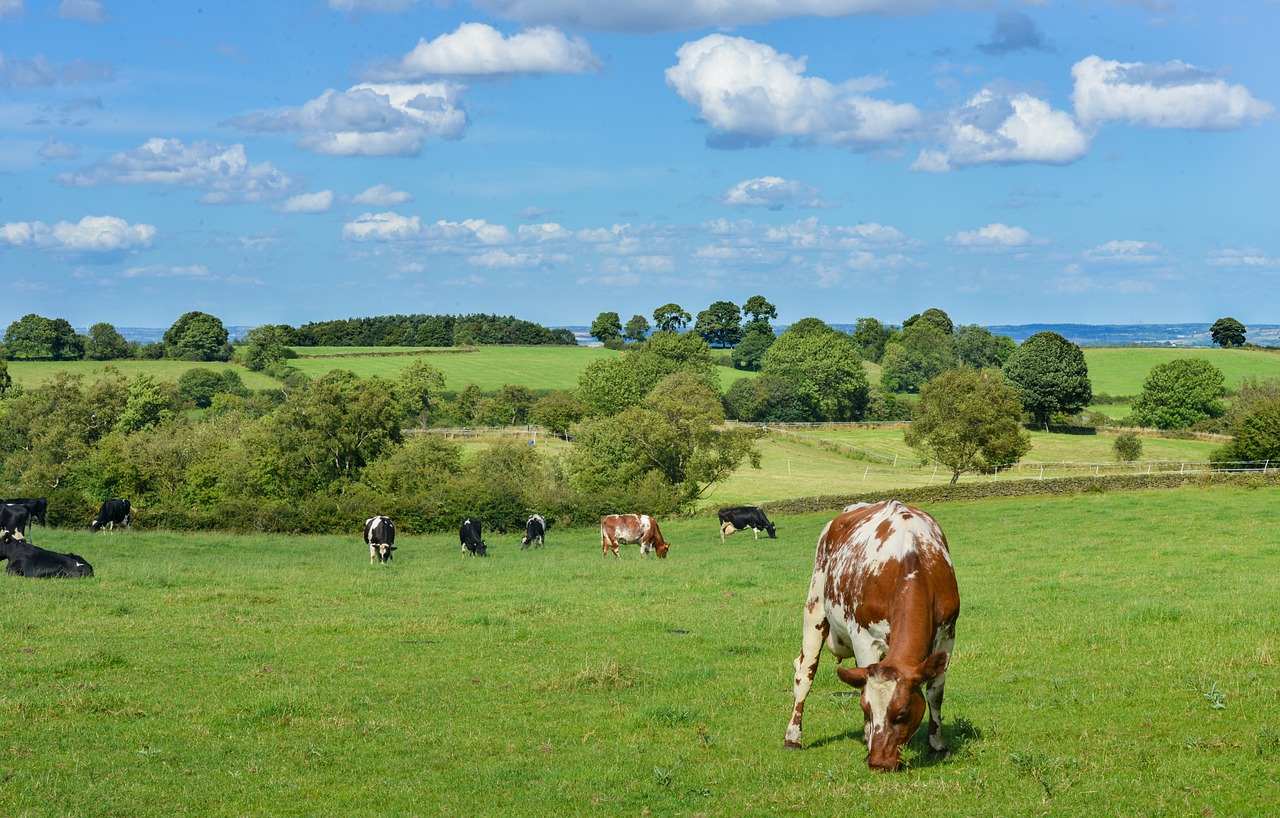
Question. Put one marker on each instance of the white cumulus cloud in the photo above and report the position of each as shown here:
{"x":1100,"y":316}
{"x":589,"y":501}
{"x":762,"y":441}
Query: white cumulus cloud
{"x":370,"y":119}
{"x":1243,"y":258}
{"x":772,"y":192}
{"x":674,"y":15}
{"x":92,"y":234}
{"x":223,"y":172}
{"x":752,"y":94}
{"x":1161,"y":95}
{"x":320,"y":202}
{"x":381,"y":227}
{"x":478,"y":50}
{"x":382,"y":196}
{"x":1127,"y":252}
{"x":996,"y":128}
{"x":993,"y":236}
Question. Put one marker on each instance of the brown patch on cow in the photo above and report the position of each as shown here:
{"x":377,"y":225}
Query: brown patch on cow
{"x":884,"y":530}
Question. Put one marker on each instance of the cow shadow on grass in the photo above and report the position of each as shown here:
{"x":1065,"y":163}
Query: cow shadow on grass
{"x":960,"y":733}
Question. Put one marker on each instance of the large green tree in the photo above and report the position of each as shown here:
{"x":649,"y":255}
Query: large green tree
{"x":823,"y":367}
{"x":197,"y":336}
{"x":609,"y":385}
{"x":720,"y":324}
{"x":1227,"y":332}
{"x":932,"y":316}
{"x":36,"y":337}
{"x":671,"y":318}
{"x":607,"y":327}
{"x":916,"y":356}
{"x":1255,"y":433}
{"x":106,"y":344}
{"x":268,"y":344}
{"x":870,"y":335}
{"x":418,"y":389}
{"x":1180,"y":393}
{"x":1050,"y":375}
{"x":636,"y":329}
{"x":980,"y":348}
{"x":968,"y":420}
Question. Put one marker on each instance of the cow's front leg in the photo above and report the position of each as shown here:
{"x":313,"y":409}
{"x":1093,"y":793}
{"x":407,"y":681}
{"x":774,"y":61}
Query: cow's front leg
{"x":806,"y":666}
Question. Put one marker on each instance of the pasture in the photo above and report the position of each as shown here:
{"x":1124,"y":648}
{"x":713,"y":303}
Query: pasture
{"x":1115,"y":653}
{"x":30,"y":374}
{"x":1122,"y":370}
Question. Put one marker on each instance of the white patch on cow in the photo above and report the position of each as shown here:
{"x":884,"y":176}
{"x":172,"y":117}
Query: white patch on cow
{"x":878,"y":694}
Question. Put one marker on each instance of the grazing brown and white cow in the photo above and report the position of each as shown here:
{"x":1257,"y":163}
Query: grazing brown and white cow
{"x":884,"y":592}
{"x":631,"y":528}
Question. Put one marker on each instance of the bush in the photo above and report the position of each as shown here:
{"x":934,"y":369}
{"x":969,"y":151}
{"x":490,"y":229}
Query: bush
{"x":1128,"y":447}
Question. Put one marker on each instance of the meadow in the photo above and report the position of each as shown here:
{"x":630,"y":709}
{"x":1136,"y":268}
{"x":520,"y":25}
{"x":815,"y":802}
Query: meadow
{"x":1116,"y":652}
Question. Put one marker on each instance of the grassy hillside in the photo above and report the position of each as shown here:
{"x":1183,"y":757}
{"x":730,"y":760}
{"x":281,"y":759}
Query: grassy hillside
{"x":1122,"y":370}
{"x":30,"y":374}
{"x":220,"y":676}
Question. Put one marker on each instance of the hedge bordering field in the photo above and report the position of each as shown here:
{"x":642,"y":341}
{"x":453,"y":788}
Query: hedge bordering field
{"x":1025,"y":488}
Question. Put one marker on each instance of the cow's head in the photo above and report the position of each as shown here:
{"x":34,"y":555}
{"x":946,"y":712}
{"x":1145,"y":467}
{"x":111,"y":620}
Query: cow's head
{"x":773,"y":532}
{"x":93,"y":525}
{"x":480,"y":550}
{"x":384,"y":552}
{"x":892,"y":705}
{"x":662,"y":547}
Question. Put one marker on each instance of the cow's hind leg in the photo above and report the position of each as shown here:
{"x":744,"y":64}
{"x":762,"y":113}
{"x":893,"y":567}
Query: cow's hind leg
{"x":945,"y":640}
{"x":806,"y":665}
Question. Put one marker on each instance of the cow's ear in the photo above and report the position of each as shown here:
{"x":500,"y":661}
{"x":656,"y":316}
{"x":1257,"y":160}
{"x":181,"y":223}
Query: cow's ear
{"x":391,"y":548}
{"x":853,"y":676}
{"x":935,"y":664}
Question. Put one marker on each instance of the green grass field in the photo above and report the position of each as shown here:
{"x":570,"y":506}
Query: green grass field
{"x":30,"y":374}
{"x":1122,"y":370}
{"x":1109,"y":660}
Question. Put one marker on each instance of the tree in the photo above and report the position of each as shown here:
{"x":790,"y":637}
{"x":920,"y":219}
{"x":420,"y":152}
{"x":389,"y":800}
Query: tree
{"x":146,"y":408}
{"x":268,"y":344}
{"x":637,"y":329}
{"x":751,"y":350}
{"x":417,"y":389}
{"x":515,"y":400}
{"x":6,"y":382}
{"x":980,"y":348}
{"x":1227,"y":332}
{"x":671,"y":318}
{"x":871,"y":336}
{"x":720,"y":324}
{"x":915,"y":357}
{"x":1255,"y":433}
{"x":1178,"y":394}
{"x":825,"y":370}
{"x":197,"y":336}
{"x":607,"y":327}
{"x":1049,"y":374}
{"x":558,"y":412}
{"x":757,"y":309}
{"x":610,"y":385}
{"x":968,"y":420}
{"x":676,"y":436}
{"x":1128,"y":447}
{"x":36,"y":337}
{"x":932,"y":316}
{"x":106,"y":344}
{"x":764,"y":399}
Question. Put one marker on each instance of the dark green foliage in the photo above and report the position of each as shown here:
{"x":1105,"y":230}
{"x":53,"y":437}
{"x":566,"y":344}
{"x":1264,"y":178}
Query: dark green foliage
{"x":607,"y":327}
{"x":34,"y":337}
{"x":106,"y":344}
{"x":933,"y":317}
{"x":430,"y":331}
{"x":980,"y":348}
{"x":1227,"y":332}
{"x":637,"y":329}
{"x":1128,"y":447}
{"x":766,"y":399}
{"x":720,"y":324}
{"x":557,"y":411}
{"x":920,"y":354}
{"x":1049,"y":375}
{"x":758,"y":310}
{"x":671,"y":318}
{"x":610,"y":385}
{"x":268,"y":344}
{"x":1179,"y":394}
{"x":968,"y":420}
{"x":197,"y":336}
{"x":871,"y":336}
{"x":6,"y":381}
{"x":1255,"y":433}
{"x":198,"y":387}
{"x":750,"y":352}
{"x":824,"y":369}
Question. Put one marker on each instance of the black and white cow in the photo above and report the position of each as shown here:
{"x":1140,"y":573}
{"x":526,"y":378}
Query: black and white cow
{"x":14,"y":519}
{"x":535,"y":532}
{"x":379,"y":534}
{"x":740,"y":518}
{"x":28,"y":560}
{"x":472,"y":543}
{"x":37,"y":507}
{"x":112,"y":513}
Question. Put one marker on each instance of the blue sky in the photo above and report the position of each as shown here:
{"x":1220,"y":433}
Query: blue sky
{"x":1103,"y":161}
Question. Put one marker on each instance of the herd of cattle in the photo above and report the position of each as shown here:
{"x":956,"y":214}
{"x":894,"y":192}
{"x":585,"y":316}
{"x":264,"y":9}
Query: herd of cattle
{"x":883,"y":591}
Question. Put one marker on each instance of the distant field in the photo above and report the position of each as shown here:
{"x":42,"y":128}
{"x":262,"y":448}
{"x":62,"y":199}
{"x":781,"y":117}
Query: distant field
{"x":30,"y":374}
{"x":1122,"y":370}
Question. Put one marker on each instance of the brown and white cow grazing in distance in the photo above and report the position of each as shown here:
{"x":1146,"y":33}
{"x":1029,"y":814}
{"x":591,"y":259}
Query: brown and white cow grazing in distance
{"x":884,"y":592}
{"x":631,"y":528}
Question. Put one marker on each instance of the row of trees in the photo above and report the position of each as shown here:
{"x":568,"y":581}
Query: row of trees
{"x":199,"y":336}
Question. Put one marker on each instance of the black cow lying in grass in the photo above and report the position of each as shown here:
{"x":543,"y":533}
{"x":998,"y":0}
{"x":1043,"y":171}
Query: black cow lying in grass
{"x":28,"y":560}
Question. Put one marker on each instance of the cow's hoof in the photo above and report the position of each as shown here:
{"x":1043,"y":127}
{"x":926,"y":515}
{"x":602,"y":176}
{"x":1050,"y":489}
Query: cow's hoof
{"x":938,"y":755}
{"x":791,"y":745}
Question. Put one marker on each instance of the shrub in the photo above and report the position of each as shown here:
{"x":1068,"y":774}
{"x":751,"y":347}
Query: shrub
{"x":1128,"y":447}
